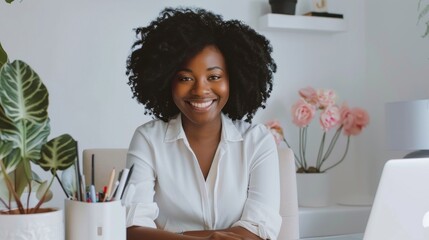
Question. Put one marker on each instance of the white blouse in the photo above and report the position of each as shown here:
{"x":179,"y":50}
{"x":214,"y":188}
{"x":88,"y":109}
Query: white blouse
{"x":167,"y":189}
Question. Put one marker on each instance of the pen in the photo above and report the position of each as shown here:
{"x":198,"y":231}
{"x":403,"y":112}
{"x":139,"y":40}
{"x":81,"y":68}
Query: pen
{"x":115,"y":190}
{"x":122,"y":181}
{"x":78,"y":176}
{"x":83,"y":188}
{"x":126,"y":182}
{"x":92,"y":194}
{"x":92,"y":170}
{"x":109,"y":186}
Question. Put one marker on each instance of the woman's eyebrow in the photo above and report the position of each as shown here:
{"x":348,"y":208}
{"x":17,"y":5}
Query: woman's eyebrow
{"x":208,"y":69}
{"x":213,"y":68}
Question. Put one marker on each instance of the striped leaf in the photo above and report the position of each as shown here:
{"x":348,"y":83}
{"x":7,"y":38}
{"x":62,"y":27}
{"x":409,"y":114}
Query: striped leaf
{"x":27,"y":136}
{"x":22,"y":93}
{"x":24,"y":121}
{"x":58,"y":154}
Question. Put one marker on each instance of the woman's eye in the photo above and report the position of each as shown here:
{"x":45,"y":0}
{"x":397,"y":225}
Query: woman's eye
{"x":184,"y":78}
{"x":214,"y":77}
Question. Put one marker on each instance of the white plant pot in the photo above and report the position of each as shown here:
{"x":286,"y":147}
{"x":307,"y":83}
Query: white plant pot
{"x":38,"y":226}
{"x":313,"y":189}
{"x":90,"y":221}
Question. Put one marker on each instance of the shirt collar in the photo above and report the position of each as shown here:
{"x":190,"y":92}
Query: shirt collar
{"x":175,"y":130}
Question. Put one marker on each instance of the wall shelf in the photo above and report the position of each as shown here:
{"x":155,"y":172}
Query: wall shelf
{"x":297,"y":23}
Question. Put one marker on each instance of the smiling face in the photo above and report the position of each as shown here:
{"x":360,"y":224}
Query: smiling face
{"x":200,"y":88}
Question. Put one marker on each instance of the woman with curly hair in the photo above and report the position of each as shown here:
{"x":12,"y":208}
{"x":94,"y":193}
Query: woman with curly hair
{"x":202,"y":170}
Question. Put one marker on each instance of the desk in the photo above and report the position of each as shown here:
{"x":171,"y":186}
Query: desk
{"x":335,"y":220}
{"x":358,"y":236}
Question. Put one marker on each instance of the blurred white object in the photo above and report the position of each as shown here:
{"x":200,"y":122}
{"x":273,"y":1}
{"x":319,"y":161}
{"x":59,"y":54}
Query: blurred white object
{"x":407,"y":127}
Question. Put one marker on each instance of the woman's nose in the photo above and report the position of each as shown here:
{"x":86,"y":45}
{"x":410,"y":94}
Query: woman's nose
{"x":201,"y":87}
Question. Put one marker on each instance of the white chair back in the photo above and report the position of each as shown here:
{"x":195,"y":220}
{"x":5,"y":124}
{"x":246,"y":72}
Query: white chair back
{"x":105,"y":159}
{"x":288,"y":196}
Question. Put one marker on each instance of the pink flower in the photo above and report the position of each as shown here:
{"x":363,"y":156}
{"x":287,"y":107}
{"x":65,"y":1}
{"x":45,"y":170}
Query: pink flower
{"x":302,"y":113}
{"x":276,"y":130}
{"x":353,"y":120}
{"x":326,"y":97}
{"x":330,"y":117}
{"x":309,"y":95}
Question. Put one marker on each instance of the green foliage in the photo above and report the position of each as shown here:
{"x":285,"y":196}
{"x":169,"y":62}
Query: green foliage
{"x":24,"y":131}
{"x":9,"y":1}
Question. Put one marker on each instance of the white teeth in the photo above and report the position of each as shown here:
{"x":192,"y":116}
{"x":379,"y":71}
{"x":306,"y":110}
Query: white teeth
{"x":201,"y":105}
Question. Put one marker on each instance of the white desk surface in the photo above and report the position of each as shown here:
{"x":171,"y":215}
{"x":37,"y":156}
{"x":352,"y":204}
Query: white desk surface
{"x":358,"y":236}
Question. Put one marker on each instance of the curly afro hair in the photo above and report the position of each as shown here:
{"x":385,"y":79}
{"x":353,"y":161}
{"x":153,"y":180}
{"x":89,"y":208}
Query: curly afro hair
{"x":179,"y":34}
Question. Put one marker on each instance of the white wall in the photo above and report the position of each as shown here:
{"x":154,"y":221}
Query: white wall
{"x":397,"y":69}
{"x":79,"y":49}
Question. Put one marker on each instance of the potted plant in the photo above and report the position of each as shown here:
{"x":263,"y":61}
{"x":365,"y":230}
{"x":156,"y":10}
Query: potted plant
{"x":349,"y":121}
{"x":283,"y":6}
{"x":24,"y":131}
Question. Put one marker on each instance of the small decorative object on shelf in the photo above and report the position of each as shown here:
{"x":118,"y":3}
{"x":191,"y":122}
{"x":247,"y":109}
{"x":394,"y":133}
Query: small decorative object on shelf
{"x":320,"y":5}
{"x":349,"y":121}
{"x":319,"y":8}
{"x":324,"y":14}
{"x":283,"y":6}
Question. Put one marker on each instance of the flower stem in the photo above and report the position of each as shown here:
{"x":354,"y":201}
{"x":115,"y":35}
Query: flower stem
{"x":343,"y":157}
{"x":302,"y":145}
{"x":331,"y":145}
{"x":319,"y":155}
{"x":300,"y":148}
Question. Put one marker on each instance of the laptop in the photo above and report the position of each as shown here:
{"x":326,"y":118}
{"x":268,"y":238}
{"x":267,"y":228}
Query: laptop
{"x":401,"y":205}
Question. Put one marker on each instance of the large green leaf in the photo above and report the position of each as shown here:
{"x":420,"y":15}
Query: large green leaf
{"x":58,"y":154}
{"x":22,"y":93}
{"x":28,"y":136}
{"x":3,"y":56}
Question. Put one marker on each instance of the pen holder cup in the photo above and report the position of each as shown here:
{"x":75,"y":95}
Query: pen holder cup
{"x":95,"y":221}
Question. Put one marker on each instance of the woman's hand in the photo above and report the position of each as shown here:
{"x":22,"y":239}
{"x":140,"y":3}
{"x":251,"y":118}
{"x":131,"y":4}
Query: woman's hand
{"x":226,"y":236}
